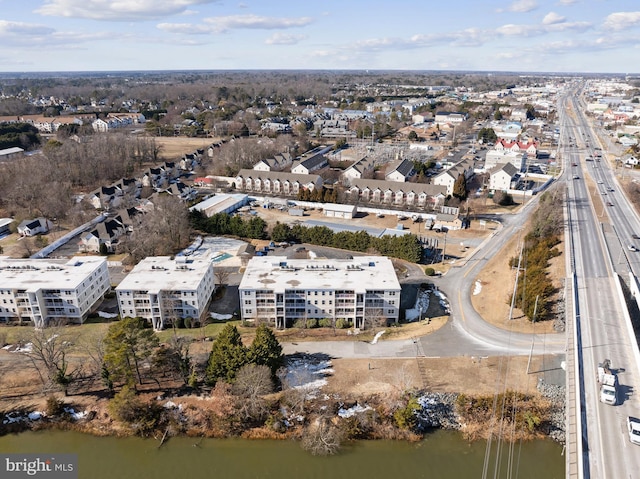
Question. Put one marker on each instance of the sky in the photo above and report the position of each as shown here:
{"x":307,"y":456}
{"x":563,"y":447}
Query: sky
{"x":590,"y":36}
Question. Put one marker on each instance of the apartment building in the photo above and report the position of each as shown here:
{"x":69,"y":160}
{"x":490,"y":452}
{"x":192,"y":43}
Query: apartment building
{"x":280,"y":291}
{"x":43,"y":291}
{"x":162,"y":288}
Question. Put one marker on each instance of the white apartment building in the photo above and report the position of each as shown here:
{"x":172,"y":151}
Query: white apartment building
{"x":281,"y":291}
{"x":42,"y":290}
{"x":160,"y":288}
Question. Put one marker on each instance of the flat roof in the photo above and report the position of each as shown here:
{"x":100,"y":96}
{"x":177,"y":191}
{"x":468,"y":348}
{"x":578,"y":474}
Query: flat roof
{"x":337,"y":227}
{"x":5,"y":221}
{"x":278,"y":273}
{"x":219,"y":203}
{"x":157,"y":273}
{"x":35,"y":274}
{"x":338,"y":207}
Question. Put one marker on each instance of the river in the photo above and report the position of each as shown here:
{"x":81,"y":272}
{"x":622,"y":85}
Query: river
{"x":442,"y":455}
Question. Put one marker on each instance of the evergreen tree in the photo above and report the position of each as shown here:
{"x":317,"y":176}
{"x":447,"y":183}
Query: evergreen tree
{"x":227,"y":356}
{"x":460,"y":187}
{"x":127,"y":344}
{"x":281,"y":232}
{"x":265,"y":349}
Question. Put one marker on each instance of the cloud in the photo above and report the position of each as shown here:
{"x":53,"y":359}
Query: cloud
{"x":234,"y":22}
{"x":567,"y":2}
{"x":284,"y":39}
{"x":510,"y":30}
{"x":214,"y":25}
{"x":19,"y":28}
{"x":33,"y":36}
{"x":622,"y":20}
{"x":552,"y":18}
{"x":523,"y":6}
{"x":117,"y":10}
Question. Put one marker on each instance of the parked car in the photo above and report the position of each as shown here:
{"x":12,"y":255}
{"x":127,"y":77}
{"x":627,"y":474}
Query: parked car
{"x":632,"y":248}
{"x":635,"y":236}
{"x":633,"y":425}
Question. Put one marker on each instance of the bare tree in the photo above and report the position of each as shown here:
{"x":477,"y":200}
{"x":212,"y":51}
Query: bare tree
{"x":47,"y":351}
{"x":374,"y":318}
{"x":252,"y":383}
{"x":222,"y":276}
{"x":322,"y":438}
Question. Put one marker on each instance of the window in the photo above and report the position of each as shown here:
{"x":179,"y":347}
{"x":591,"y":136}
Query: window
{"x":392,"y":293}
{"x":247,"y":301}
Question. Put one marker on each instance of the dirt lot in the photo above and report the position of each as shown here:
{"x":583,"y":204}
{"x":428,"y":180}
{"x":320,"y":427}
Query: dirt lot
{"x":471,"y":375}
{"x":172,"y":148}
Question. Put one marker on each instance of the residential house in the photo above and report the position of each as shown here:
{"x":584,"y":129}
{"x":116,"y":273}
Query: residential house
{"x":34,"y":227}
{"x":359,"y":169}
{"x":155,"y":178}
{"x":309,"y":165}
{"x":182,"y":191}
{"x":401,"y":171}
{"x":503,"y":177}
{"x":277,"y":163}
{"x":105,"y":233}
{"x":106,"y":197}
{"x":448,"y":177}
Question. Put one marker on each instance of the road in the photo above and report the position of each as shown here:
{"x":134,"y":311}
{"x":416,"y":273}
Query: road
{"x":600,"y":311}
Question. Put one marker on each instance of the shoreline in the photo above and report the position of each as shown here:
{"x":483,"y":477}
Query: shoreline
{"x":368,"y":419}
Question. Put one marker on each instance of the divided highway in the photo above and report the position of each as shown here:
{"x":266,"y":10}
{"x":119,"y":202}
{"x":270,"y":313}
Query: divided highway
{"x":600,"y":310}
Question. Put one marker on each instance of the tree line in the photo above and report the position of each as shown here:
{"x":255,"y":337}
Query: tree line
{"x":535,"y":289}
{"x":405,"y":247}
{"x":21,"y":135}
{"x":225,"y":224}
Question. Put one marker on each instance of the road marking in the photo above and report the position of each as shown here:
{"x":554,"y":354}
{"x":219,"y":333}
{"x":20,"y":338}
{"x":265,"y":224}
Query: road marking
{"x":460,"y":306}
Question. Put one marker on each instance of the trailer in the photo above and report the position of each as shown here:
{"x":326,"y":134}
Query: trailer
{"x":608,"y":381}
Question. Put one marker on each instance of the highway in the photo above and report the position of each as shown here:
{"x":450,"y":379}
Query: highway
{"x":600,"y":311}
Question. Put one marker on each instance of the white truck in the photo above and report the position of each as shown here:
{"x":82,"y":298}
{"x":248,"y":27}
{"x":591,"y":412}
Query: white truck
{"x":608,"y":381}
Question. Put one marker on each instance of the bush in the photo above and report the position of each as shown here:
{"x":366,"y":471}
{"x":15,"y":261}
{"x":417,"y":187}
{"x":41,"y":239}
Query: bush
{"x":406,"y":417}
{"x":325,"y":323}
{"x":300,"y":323}
{"x":312,"y":323}
{"x":429,"y":271}
{"x":129,"y":408}
{"x":342,"y":323}
{"x":54,"y":407}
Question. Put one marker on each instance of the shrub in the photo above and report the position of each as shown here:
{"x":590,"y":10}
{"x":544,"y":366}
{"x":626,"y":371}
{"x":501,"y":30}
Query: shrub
{"x":300,"y":323}
{"x":325,"y":323}
{"x":406,"y":417}
{"x":129,"y":408}
{"x":54,"y":407}
{"x":312,"y":323}
{"x":429,"y":271}
{"x":342,"y":323}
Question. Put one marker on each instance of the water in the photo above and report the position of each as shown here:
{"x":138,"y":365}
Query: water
{"x":444,"y":454}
